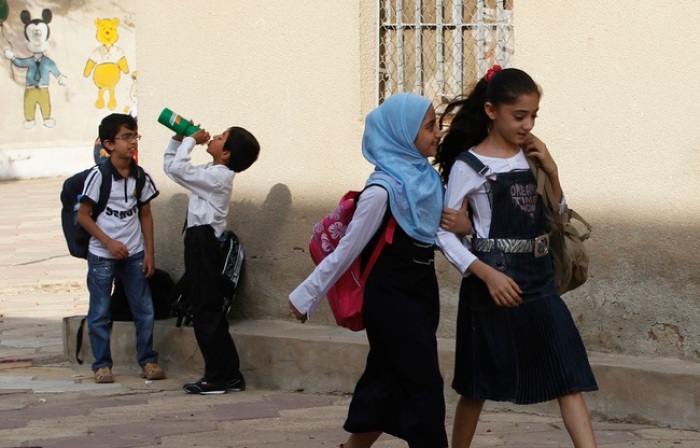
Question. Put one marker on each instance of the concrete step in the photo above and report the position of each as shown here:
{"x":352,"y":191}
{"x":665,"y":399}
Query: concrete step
{"x":323,"y":359}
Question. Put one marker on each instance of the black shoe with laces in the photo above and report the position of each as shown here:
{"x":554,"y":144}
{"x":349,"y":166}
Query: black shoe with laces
{"x":236,"y":384}
{"x":202,"y":387}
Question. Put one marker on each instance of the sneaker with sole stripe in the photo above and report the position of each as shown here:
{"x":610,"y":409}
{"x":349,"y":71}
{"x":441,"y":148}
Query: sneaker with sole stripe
{"x":202,"y":387}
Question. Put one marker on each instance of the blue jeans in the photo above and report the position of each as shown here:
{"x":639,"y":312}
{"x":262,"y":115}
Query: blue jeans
{"x":100,"y":277}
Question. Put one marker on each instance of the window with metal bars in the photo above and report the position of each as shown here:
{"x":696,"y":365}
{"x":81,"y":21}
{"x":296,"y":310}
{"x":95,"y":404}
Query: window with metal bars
{"x":439,"y":48}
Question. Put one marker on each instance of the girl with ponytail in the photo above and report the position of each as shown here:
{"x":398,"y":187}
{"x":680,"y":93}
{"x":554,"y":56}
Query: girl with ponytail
{"x":516,"y":339}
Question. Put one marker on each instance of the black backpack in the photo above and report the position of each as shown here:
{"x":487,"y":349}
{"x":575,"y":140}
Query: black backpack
{"x":162,"y":289}
{"x":77,"y":238}
{"x":229,"y":278}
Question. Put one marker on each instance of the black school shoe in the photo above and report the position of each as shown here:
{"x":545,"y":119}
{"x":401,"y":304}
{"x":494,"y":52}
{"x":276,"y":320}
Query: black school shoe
{"x":236,"y":385}
{"x":202,"y":387}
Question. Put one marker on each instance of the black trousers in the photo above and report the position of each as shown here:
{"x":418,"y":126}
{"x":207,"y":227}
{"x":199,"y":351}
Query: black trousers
{"x":203,"y":264}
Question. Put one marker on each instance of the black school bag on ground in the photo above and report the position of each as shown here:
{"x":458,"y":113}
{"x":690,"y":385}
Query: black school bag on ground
{"x":162,"y":289}
{"x":77,"y":238}
{"x":229,"y":278}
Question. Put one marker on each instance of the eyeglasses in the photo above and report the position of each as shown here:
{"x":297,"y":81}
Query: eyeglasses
{"x":129,"y":138}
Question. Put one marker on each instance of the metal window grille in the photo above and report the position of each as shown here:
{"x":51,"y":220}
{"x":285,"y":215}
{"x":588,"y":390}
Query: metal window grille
{"x":438,"y":48}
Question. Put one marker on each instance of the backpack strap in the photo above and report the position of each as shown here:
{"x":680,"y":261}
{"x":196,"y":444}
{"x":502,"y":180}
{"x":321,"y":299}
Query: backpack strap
{"x":105,"y":189}
{"x":386,"y":238}
{"x":140,"y":183}
{"x":544,"y":189}
{"x":79,"y":340}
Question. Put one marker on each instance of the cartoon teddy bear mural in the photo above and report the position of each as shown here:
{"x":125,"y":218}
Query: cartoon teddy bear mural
{"x":39,"y":67}
{"x":108,"y":62}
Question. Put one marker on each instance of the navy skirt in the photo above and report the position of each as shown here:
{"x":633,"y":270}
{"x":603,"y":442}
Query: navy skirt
{"x":524,"y":355}
{"x":401,"y":391}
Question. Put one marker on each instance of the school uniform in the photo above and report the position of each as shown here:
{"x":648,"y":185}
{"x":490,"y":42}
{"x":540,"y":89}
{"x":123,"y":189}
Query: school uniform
{"x":401,"y":389}
{"x":530,"y":353}
{"x":211,"y":187}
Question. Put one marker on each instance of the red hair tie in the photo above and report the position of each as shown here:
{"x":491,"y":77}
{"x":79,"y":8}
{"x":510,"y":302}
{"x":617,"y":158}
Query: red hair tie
{"x":492,"y":71}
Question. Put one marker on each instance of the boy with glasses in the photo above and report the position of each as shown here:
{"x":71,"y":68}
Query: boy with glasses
{"x":121,"y":246}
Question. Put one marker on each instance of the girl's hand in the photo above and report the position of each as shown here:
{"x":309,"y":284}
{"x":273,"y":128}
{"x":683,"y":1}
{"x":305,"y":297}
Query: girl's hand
{"x":297,"y":314}
{"x":201,"y":136}
{"x":535,"y":148}
{"x":456,"y":221}
{"x":503,"y":289}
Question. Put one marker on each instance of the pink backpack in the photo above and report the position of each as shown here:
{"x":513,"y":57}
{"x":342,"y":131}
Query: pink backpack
{"x":347,"y":294}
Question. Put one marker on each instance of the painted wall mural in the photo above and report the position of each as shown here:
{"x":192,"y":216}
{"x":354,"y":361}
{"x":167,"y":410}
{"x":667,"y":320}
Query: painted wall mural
{"x":107,"y":62}
{"x":39,"y":67}
{"x":64,"y":66}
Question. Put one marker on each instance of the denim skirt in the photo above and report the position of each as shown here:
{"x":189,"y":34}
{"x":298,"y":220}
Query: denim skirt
{"x":524,"y":355}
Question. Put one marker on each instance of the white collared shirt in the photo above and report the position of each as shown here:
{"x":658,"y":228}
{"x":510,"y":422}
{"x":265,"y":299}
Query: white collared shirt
{"x":210,"y":185}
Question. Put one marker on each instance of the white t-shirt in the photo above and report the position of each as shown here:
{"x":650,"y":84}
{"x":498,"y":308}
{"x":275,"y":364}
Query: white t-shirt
{"x":120,"y":218}
{"x":211,"y":185}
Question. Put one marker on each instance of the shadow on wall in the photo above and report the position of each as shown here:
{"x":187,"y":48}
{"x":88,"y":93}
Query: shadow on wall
{"x":642,"y":297}
{"x":260,"y":230}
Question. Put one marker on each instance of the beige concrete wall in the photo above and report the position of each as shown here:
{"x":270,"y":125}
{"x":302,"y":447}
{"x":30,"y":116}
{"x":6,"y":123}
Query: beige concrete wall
{"x":68,"y":146}
{"x":618,"y":112}
{"x":297,"y":75}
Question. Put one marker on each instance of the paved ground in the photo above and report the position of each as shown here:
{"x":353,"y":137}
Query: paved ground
{"x":47,"y":402}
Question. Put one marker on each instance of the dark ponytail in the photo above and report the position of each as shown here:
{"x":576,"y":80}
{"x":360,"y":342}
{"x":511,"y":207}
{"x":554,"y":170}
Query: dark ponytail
{"x":470,"y":125}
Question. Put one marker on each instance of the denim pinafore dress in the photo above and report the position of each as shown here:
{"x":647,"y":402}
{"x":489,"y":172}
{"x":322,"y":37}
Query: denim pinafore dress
{"x":531,"y":353}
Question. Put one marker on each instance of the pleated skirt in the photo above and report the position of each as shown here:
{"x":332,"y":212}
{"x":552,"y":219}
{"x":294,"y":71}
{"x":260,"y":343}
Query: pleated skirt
{"x":528,"y":354}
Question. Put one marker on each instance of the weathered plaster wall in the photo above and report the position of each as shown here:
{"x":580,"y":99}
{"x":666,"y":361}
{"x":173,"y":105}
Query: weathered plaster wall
{"x":66,"y":147}
{"x":620,"y":111}
{"x":289,"y":72}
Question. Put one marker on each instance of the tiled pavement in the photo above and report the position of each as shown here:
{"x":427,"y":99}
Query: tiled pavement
{"x":47,"y":402}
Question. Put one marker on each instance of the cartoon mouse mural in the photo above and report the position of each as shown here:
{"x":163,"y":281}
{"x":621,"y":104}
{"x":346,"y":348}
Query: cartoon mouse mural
{"x":38,"y":66}
{"x":108,"y":62}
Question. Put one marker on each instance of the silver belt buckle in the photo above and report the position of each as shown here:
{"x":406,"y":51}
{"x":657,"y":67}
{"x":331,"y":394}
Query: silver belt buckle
{"x":541,"y":245}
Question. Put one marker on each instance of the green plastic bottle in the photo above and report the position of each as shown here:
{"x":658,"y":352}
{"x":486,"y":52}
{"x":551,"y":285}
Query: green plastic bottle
{"x":177,"y":123}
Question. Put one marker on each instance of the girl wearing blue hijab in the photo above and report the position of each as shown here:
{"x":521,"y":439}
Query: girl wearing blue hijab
{"x":401,"y":389}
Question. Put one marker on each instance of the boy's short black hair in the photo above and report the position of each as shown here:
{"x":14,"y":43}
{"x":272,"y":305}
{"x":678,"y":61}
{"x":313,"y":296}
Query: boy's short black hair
{"x":110,"y":125}
{"x":244,"y":149}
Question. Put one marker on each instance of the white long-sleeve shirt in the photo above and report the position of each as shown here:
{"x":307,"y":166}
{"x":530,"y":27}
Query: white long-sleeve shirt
{"x":464,"y":181}
{"x":365,"y":222}
{"x":210,"y":185}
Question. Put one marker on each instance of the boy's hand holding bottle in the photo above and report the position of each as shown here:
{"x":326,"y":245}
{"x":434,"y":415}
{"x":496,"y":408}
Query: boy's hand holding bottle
{"x":201,"y":136}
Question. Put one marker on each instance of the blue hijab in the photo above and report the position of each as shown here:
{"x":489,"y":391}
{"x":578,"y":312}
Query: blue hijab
{"x":414,"y":186}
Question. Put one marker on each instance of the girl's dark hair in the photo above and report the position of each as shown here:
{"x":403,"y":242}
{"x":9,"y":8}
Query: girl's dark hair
{"x":469,"y":124}
{"x":244,"y":149}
